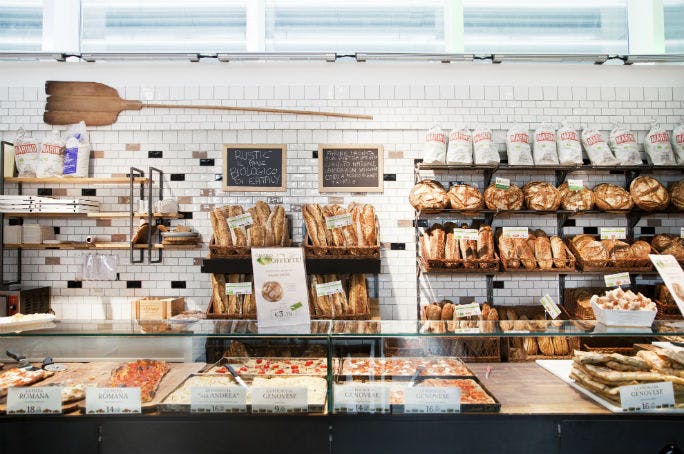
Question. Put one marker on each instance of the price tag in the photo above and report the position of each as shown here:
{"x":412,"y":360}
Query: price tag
{"x":646,"y":397}
{"x":467,"y":310}
{"x":465,"y":234}
{"x":111,"y":401}
{"x":341,"y":220}
{"x":575,"y":185}
{"x":420,"y":399}
{"x":238,"y":288}
{"x":502,"y":183}
{"x":681,"y":232}
{"x":550,"y":306}
{"x":219,"y":399}
{"x":673,"y":276}
{"x":358,"y":398}
{"x":467,"y":330}
{"x":515,"y":232}
{"x":616,"y":280}
{"x":329,"y":288}
{"x":241,"y":220}
{"x":280,"y":400}
{"x":34,"y":401}
{"x":613,"y":233}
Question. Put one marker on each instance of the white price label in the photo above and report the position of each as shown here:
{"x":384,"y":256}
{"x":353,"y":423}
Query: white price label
{"x":550,"y":306}
{"x":502,"y":183}
{"x":467,"y":310}
{"x":467,"y":330}
{"x":358,"y":398}
{"x":341,"y":220}
{"x":613,"y":233}
{"x":515,"y":232}
{"x":646,"y":397}
{"x":280,"y":400}
{"x":465,"y":234}
{"x":111,"y":401}
{"x":673,"y":276}
{"x":575,"y":185}
{"x":616,"y":280}
{"x":329,"y":288}
{"x":34,"y":401}
{"x":681,"y":232}
{"x":420,"y":399}
{"x":220,"y":399}
{"x":241,"y":220}
{"x":238,"y":288}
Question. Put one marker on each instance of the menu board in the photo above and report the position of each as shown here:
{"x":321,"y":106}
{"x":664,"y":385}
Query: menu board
{"x":254,"y":168}
{"x":350,"y":168}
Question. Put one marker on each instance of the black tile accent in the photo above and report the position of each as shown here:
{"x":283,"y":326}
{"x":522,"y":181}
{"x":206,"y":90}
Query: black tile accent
{"x":648,"y":230}
{"x":218,"y":177}
{"x":177,"y":284}
{"x":177,"y":177}
{"x":118,"y":276}
{"x":74,"y":284}
{"x":586,"y":162}
{"x":466,"y":299}
{"x":57,"y":230}
{"x":206,"y":162}
{"x":590,"y":230}
{"x":504,"y":161}
{"x":155,"y":154}
{"x":422,"y":223}
{"x":314,"y":154}
{"x":16,"y":221}
{"x":390,"y":177}
{"x":570,"y":223}
{"x":616,"y":172}
{"x":88,"y":192}
{"x":133,"y":284}
{"x":45,"y":191}
{"x":417,"y":161}
{"x":186,"y":214}
{"x":498,"y":284}
{"x":398,"y":246}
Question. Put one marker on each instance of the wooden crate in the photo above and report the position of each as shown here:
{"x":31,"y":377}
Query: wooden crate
{"x":156,"y":307}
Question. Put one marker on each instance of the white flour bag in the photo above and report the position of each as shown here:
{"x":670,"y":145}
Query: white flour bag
{"x":518,"y":146}
{"x":51,"y":158}
{"x":76,"y":151}
{"x":434,"y":151}
{"x":569,"y":146}
{"x":624,"y":146}
{"x":460,"y":148}
{"x":678,"y":143}
{"x":484,"y":151}
{"x":658,"y":147}
{"x":26,"y":154}
{"x":544,"y":146}
{"x":597,"y":148}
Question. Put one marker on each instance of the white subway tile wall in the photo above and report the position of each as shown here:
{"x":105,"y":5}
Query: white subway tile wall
{"x":402,"y":111}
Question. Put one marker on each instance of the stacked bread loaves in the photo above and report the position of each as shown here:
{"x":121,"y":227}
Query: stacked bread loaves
{"x":231,"y":306}
{"x":439,"y":243}
{"x":267,"y":227}
{"x":669,"y":245}
{"x":610,"y":253}
{"x":353,"y":302}
{"x":504,"y":199}
{"x":360,"y":233}
{"x":445,"y":312}
{"x":648,"y":194}
{"x":513,"y":319}
{"x":537,"y":251}
{"x":541,"y":196}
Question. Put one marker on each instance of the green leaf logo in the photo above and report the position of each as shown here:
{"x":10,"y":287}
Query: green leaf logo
{"x":265,"y":260}
{"x":296,"y":306}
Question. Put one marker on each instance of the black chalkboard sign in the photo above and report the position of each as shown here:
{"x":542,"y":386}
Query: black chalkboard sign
{"x":350,"y":168}
{"x":248,"y":167}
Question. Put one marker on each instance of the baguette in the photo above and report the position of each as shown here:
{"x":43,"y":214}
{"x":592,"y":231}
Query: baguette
{"x":525,"y":253}
{"x":542,"y":252}
{"x":546,"y":346}
{"x":359,"y":304}
{"x":437,"y":238}
{"x":530,"y":345}
{"x":239,"y":234}
{"x":468,"y":250}
{"x":249,"y":303}
{"x":335,"y":233}
{"x":219,"y":300}
{"x":451,"y":247}
{"x":368,"y":227}
{"x":339,"y":300}
{"x":234,"y":302}
{"x":220,"y":226}
{"x":485,"y":244}
{"x":560,"y":346}
{"x":508,"y":252}
{"x":560,"y":257}
{"x":315,"y":226}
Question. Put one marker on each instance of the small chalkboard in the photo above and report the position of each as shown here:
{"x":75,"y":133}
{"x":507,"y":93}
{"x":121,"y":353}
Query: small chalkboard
{"x":350,"y":168}
{"x":249,"y":167}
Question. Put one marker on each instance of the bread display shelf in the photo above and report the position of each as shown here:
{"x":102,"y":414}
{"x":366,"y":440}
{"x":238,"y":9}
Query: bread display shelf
{"x":559,"y":265}
{"x":602,"y":271}
{"x":483,"y":212}
{"x":99,"y":246}
{"x":314,"y":265}
{"x":568,"y":168}
{"x":465,"y":265}
{"x":96,"y":215}
{"x":349,"y":252}
{"x":635,"y":265}
{"x":77,"y":180}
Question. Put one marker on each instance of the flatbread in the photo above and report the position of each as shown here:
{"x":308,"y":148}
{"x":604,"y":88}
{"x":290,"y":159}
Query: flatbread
{"x":656,"y":361}
{"x":614,"y":376}
{"x":600,"y":379}
{"x":677,"y":356}
{"x":602,"y":358}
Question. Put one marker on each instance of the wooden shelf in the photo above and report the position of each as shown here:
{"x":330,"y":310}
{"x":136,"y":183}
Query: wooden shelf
{"x":325,"y":265}
{"x":99,"y":246}
{"x":91,"y":215}
{"x":76,"y":180}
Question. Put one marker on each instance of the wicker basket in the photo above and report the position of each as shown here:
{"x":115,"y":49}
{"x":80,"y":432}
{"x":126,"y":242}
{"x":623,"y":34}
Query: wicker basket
{"x":461,"y":265}
{"x":572,"y":296}
{"x":218,"y":252}
{"x":616,"y":266}
{"x":341,"y":251}
{"x":558,"y":265}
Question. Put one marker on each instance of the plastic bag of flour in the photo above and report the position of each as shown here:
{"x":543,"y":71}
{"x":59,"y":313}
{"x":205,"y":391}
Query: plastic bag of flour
{"x":51,"y":158}
{"x":624,"y":146}
{"x":460,"y":148}
{"x":658,"y":147}
{"x":569,"y":146}
{"x":544,"y":146}
{"x":435,"y":149}
{"x":26,"y":154}
{"x":678,"y":143}
{"x":76,"y":151}
{"x":518,"y":146}
{"x":484,"y":151}
{"x":597,"y":148}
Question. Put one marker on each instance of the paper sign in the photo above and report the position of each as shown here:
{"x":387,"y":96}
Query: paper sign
{"x":329,"y":288}
{"x":616,"y":280}
{"x":112,"y":400}
{"x":575,"y":185}
{"x":34,"y":401}
{"x":681,"y":232}
{"x":467,"y":310}
{"x":218,"y":399}
{"x":673,"y":277}
{"x":341,"y":220}
{"x":467,"y":330}
{"x":280,"y":400}
{"x":280,"y":287}
{"x":550,"y":306}
{"x":359,"y":398}
{"x":613,"y":233}
{"x":515,"y":232}
{"x":241,"y":220}
{"x":465,"y":234}
{"x":238,"y":288}
{"x":649,"y":396}
{"x":419,"y":399}
{"x":502,"y":183}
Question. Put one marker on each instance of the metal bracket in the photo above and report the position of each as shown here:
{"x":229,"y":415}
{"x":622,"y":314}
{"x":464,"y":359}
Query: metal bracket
{"x":150,"y":212}
{"x":133,"y":173}
{"x":632,"y":220}
{"x":561,"y":175}
{"x":630,"y":175}
{"x":487,"y":175}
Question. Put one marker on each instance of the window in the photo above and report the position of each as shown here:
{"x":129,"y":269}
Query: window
{"x":21,"y":25}
{"x":674,"y":26}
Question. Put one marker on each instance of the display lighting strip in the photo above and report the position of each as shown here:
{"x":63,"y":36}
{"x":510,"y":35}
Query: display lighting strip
{"x":551,"y":58}
{"x":32,"y":56}
{"x":278,"y":56}
{"x":140,"y":56}
{"x":392,"y":56}
{"x":671,"y":58}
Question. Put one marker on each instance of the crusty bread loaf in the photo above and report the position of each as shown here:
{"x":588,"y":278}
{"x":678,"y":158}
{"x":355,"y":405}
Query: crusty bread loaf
{"x":433,"y":312}
{"x":560,"y":346}
{"x":663,"y":241}
{"x":508,"y":252}
{"x":358,"y":295}
{"x":219,"y":299}
{"x":648,"y":194}
{"x":468,"y":250}
{"x":611,"y":197}
{"x":315,"y":224}
{"x":581,"y":200}
{"x":676,"y":249}
{"x":541,"y":196}
{"x":504,"y":199}
{"x":677,"y":194}
{"x":640,"y":250}
{"x":222,"y":235}
{"x":560,"y":256}
{"x":465,"y":197}
{"x":436,"y":240}
{"x":592,"y":252}
{"x":448,"y":311}
{"x":525,"y":253}
{"x":428,"y":195}
{"x":530,"y":345}
{"x":452,"y":250}
{"x":542,"y":252}
{"x":546,"y":345}
{"x":485,"y":244}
